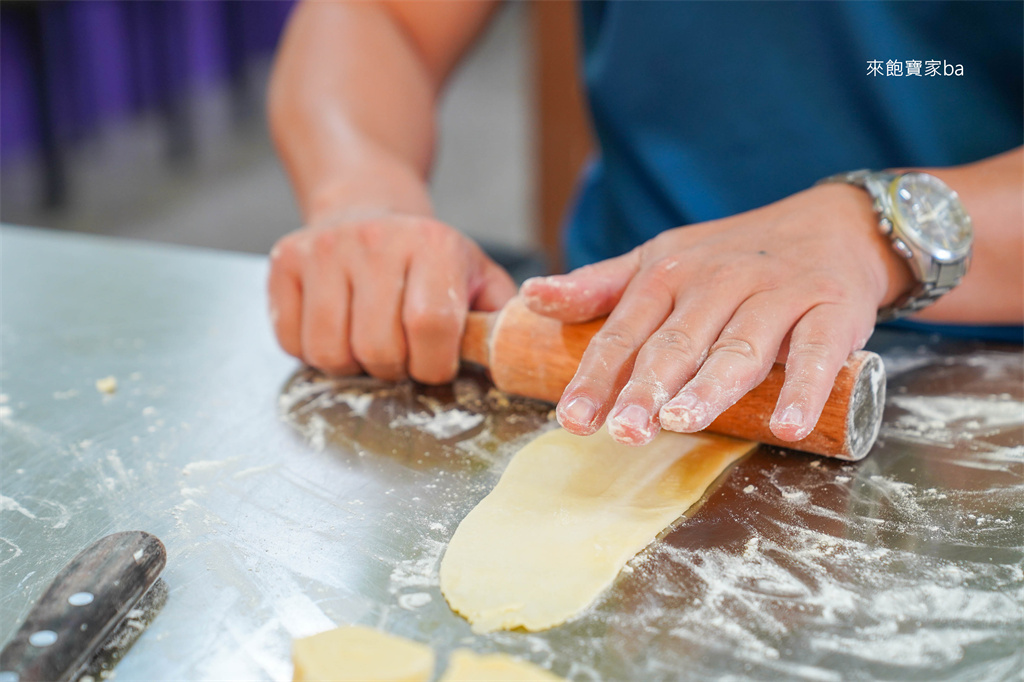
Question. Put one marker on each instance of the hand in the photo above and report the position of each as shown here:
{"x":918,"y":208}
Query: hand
{"x":386,"y":295}
{"x":699,"y":314}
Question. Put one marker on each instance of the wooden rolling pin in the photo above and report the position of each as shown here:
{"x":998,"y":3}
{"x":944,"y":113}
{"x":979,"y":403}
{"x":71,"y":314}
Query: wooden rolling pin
{"x":535,"y":356}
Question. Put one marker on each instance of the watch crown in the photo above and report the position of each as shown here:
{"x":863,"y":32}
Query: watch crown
{"x":902,"y":248}
{"x":885,"y":226}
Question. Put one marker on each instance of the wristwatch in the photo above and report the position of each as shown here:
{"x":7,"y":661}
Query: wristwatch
{"x":927,"y":226}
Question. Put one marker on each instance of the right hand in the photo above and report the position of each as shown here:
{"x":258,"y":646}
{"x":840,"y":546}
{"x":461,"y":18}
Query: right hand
{"x":386,"y":295}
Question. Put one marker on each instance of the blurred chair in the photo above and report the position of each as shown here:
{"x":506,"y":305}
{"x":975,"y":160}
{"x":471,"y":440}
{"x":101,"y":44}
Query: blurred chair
{"x":562,"y":122}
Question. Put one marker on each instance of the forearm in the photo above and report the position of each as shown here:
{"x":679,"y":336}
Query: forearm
{"x":992,"y":292}
{"x":351,"y":108}
{"x":372,"y":282}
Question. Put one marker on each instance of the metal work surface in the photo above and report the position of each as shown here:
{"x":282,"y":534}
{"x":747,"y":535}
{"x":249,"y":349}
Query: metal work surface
{"x":289,"y":503}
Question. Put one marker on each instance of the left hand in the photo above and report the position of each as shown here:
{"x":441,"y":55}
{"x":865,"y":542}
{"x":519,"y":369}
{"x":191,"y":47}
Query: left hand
{"x":698,"y":315}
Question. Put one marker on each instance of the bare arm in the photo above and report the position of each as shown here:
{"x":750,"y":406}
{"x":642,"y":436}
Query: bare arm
{"x":992,"y":292}
{"x":373,"y":283}
{"x":353,"y":96}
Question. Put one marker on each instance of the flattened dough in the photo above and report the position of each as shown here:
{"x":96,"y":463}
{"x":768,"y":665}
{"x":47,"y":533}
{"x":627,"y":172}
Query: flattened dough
{"x":359,"y":653}
{"x":566,"y":516}
{"x":466,"y":666}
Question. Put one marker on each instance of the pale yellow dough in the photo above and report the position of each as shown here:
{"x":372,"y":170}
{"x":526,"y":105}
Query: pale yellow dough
{"x":465,"y":666}
{"x":352,"y":653}
{"x":358,"y":653}
{"x":566,"y":516}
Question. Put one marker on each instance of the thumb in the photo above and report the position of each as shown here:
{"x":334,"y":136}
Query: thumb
{"x":492,"y":287}
{"x":583,"y":294}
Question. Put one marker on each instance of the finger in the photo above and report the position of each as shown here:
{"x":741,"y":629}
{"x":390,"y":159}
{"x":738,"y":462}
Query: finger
{"x":674,"y":353}
{"x":492,"y":287}
{"x":669,"y":358}
{"x":821,"y":342}
{"x":377,"y":337}
{"x":583,"y":294}
{"x":285,"y":299}
{"x":434,"y":315}
{"x":738,"y":360}
{"x":325,"y":307}
{"x":608,"y":359}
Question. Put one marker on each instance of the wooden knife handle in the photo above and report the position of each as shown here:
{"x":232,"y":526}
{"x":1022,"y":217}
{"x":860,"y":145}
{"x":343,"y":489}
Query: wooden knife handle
{"x":536,"y":356}
{"x":82,"y":606}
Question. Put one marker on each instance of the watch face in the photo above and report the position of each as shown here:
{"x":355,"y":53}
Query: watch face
{"x":930,"y":213}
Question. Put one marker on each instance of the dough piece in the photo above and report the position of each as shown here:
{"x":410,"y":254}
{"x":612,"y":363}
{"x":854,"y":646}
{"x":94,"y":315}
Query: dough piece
{"x":566,"y":516}
{"x":107,"y":385}
{"x":466,"y":666}
{"x":360,"y":653}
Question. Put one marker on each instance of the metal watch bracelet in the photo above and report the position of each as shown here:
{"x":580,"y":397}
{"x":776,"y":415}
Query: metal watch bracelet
{"x":924,"y":293}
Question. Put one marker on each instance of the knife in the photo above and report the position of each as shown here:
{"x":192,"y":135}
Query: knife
{"x":82,"y":607}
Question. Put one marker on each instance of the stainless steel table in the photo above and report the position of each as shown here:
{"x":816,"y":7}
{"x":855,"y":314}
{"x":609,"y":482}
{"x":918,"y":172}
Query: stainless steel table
{"x":289,"y":503}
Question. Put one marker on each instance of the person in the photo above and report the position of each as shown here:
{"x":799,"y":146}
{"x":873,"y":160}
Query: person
{"x":700,"y":229}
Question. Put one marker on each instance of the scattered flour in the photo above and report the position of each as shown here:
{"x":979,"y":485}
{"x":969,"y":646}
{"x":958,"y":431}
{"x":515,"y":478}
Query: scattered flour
{"x":10,"y":551}
{"x":207,"y":466}
{"x":902,"y":362}
{"x":54,"y":514}
{"x":842,"y":595}
{"x":442,"y":425}
{"x":323,"y":392}
{"x":121,"y":475}
{"x":951,"y":421}
{"x":795,"y":495}
{"x":414,"y":600}
{"x":358,"y":403}
{"x":467,"y":418}
{"x":977,"y":413}
{"x":10,"y":504}
{"x":252,"y":471}
{"x":418,"y":574}
{"x":317,"y":429}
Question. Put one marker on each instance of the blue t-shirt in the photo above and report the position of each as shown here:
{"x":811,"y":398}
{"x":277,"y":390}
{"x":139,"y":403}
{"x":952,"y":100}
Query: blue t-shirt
{"x":707,"y":109}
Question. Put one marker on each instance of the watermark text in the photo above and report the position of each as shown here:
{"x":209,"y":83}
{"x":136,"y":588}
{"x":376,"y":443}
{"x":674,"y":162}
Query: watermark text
{"x":914,"y":67}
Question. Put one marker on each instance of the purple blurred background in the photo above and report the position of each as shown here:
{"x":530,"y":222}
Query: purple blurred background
{"x":145,"y":119}
{"x":68,"y":68}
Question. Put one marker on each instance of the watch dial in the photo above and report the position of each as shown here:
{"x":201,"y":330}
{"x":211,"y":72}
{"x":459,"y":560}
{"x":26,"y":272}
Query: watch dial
{"x":931,"y":214}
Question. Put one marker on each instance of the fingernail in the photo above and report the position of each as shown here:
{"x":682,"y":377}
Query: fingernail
{"x":632,"y":425}
{"x":793,"y":418}
{"x":580,"y":412}
{"x":685,"y":413}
